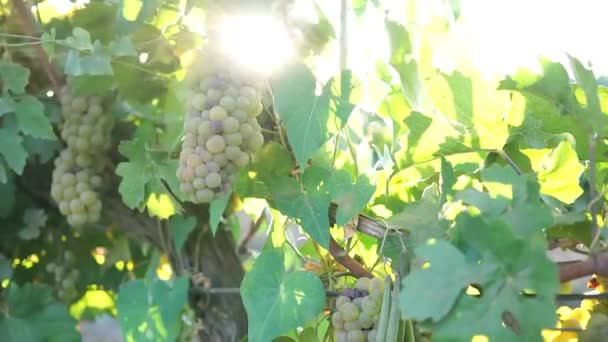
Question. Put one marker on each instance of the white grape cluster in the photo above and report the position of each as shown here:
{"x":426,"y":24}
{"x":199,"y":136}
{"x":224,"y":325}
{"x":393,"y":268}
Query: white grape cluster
{"x":65,"y":275}
{"x":221,"y":132}
{"x":358,"y":311}
{"x":77,"y":177}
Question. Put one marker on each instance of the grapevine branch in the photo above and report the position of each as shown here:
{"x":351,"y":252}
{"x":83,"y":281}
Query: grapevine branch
{"x":29,"y":26}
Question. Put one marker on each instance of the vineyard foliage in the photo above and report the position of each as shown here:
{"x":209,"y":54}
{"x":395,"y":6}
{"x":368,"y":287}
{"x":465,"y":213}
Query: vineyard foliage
{"x":120,"y":208}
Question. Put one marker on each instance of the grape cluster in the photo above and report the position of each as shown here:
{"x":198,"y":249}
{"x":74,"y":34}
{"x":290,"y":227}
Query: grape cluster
{"x":66,"y":276}
{"x":358,"y":311}
{"x":77,"y":177}
{"x":221,"y":132}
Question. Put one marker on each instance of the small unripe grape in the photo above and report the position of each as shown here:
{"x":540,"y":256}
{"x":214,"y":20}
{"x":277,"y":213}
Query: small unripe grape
{"x":84,"y":160}
{"x":233,"y":92}
{"x":356,"y":336}
{"x":205,"y":156}
{"x":204,"y":195}
{"x":352,"y":325}
{"x":255,"y":142}
{"x":204,"y":129}
{"x":201,"y":170}
{"x":213,"y":180}
{"x":233,"y":139}
{"x":231,"y":125}
{"x":193,"y":160}
{"x":246,"y":130}
{"x":340,"y":336}
{"x":79,"y":104}
{"x":68,"y":179}
{"x":213,"y":167}
{"x":243,"y":103}
{"x":366,"y":320}
{"x":88,"y":197}
{"x":220,"y":159}
{"x":186,"y":188}
{"x":350,"y":312}
{"x":187,"y":174}
{"x":69,"y":193}
{"x":95,"y":110}
{"x":256,"y":109}
{"x":216,"y":144}
{"x":228,"y":103}
{"x":232,"y":152}
{"x":337,"y":321}
{"x":362,"y":284}
{"x":199,"y":183}
{"x":376,"y":286}
{"x":341,"y":301}
{"x":213,"y":95}
{"x":370,"y":304}
{"x":85,"y":130}
{"x":242,"y":160}
{"x":82,"y":186}
{"x":96,"y":181}
{"x":76,"y":206}
{"x":217,"y":113}
{"x":240,"y":115}
{"x":79,"y":219}
{"x":371,"y":335}
{"x":64,"y":207}
{"x":198,"y":101}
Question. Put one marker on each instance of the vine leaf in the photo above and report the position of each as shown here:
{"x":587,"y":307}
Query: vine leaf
{"x":14,"y":77}
{"x":514,"y":277}
{"x":276,"y":301}
{"x":153,"y":303}
{"x":31,"y":119}
{"x":423,"y":296}
{"x":350,"y":198}
{"x":180,"y":227}
{"x":12,"y":150}
{"x":421,"y":219}
{"x":135,"y":173}
{"x":308,"y":117}
{"x":310,"y":207}
{"x":216,"y":210}
{"x":558,"y":171}
{"x":35,"y":316}
{"x":33,"y":220}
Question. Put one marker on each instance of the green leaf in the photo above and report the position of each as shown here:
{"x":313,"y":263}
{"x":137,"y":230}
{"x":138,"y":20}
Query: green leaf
{"x":170,"y":299}
{"x":558,"y":171}
{"x":31,"y":118}
{"x":132,"y":306}
{"x":123,"y":47}
{"x":12,"y":150}
{"x":519,"y":267}
{"x":14,"y":77}
{"x":593,"y":115}
{"x":310,"y":207}
{"x":7,"y":193}
{"x":306,"y":115}
{"x":180,"y":227}
{"x":6,"y":268}
{"x":276,"y":301}
{"x":36,"y":316}
{"x":447,"y":180}
{"x":33,"y":220}
{"x":421,"y":219}
{"x":48,"y":43}
{"x":216,"y":210}
{"x":96,"y":64}
{"x":350,"y":198}
{"x":135,"y":173}
{"x":423,"y":296}
{"x":7,"y":105}
{"x":81,"y":40}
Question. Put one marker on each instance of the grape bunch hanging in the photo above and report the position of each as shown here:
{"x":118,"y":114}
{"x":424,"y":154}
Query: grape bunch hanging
{"x":367,"y":313}
{"x":78,"y":173}
{"x":221,"y":131}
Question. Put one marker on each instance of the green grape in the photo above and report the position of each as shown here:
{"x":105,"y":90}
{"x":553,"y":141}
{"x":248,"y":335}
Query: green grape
{"x":371,"y":335}
{"x":198,"y":101}
{"x":199,"y":183}
{"x":356,"y":336}
{"x":337,"y":321}
{"x":231,"y":125}
{"x":352,"y":325}
{"x":204,"y":195}
{"x":217,"y":113}
{"x":216,"y":144}
{"x":366,"y":320}
{"x":201,"y":170}
{"x":371,"y":305}
{"x":349,"y":311}
{"x":340,"y":336}
{"x":233,"y":139}
{"x":362,"y":284}
{"x":376,"y":286}
{"x":213,"y":180}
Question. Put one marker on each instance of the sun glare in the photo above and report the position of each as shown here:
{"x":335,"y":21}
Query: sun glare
{"x":258,"y":42}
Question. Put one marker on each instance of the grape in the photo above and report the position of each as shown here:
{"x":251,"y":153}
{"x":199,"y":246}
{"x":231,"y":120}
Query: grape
{"x":198,"y":101}
{"x":233,"y":139}
{"x":240,"y":115}
{"x":228,"y":103}
{"x":217,"y":113}
{"x":352,"y":325}
{"x":204,"y":195}
{"x":231,"y":125}
{"x":370,"y":305}
{"x":362,"y":284}
{"x":371,"y":335}
{"x":216,"y":144}
{"x":255,"y":142}
{"x":341,"y":300}
{"x":340,"y":336}
{"x":232,"y":152}
{"x":356,"y":336}
{"x":199,"y":183}
{"x":217,"y":127}
{"x":201,"y":171}
{"x":366,"y":320}
{"x":213,"y":180}
{"x":337,"y":321}
{"x":350,"y":312}
{"x":376,"y":286}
